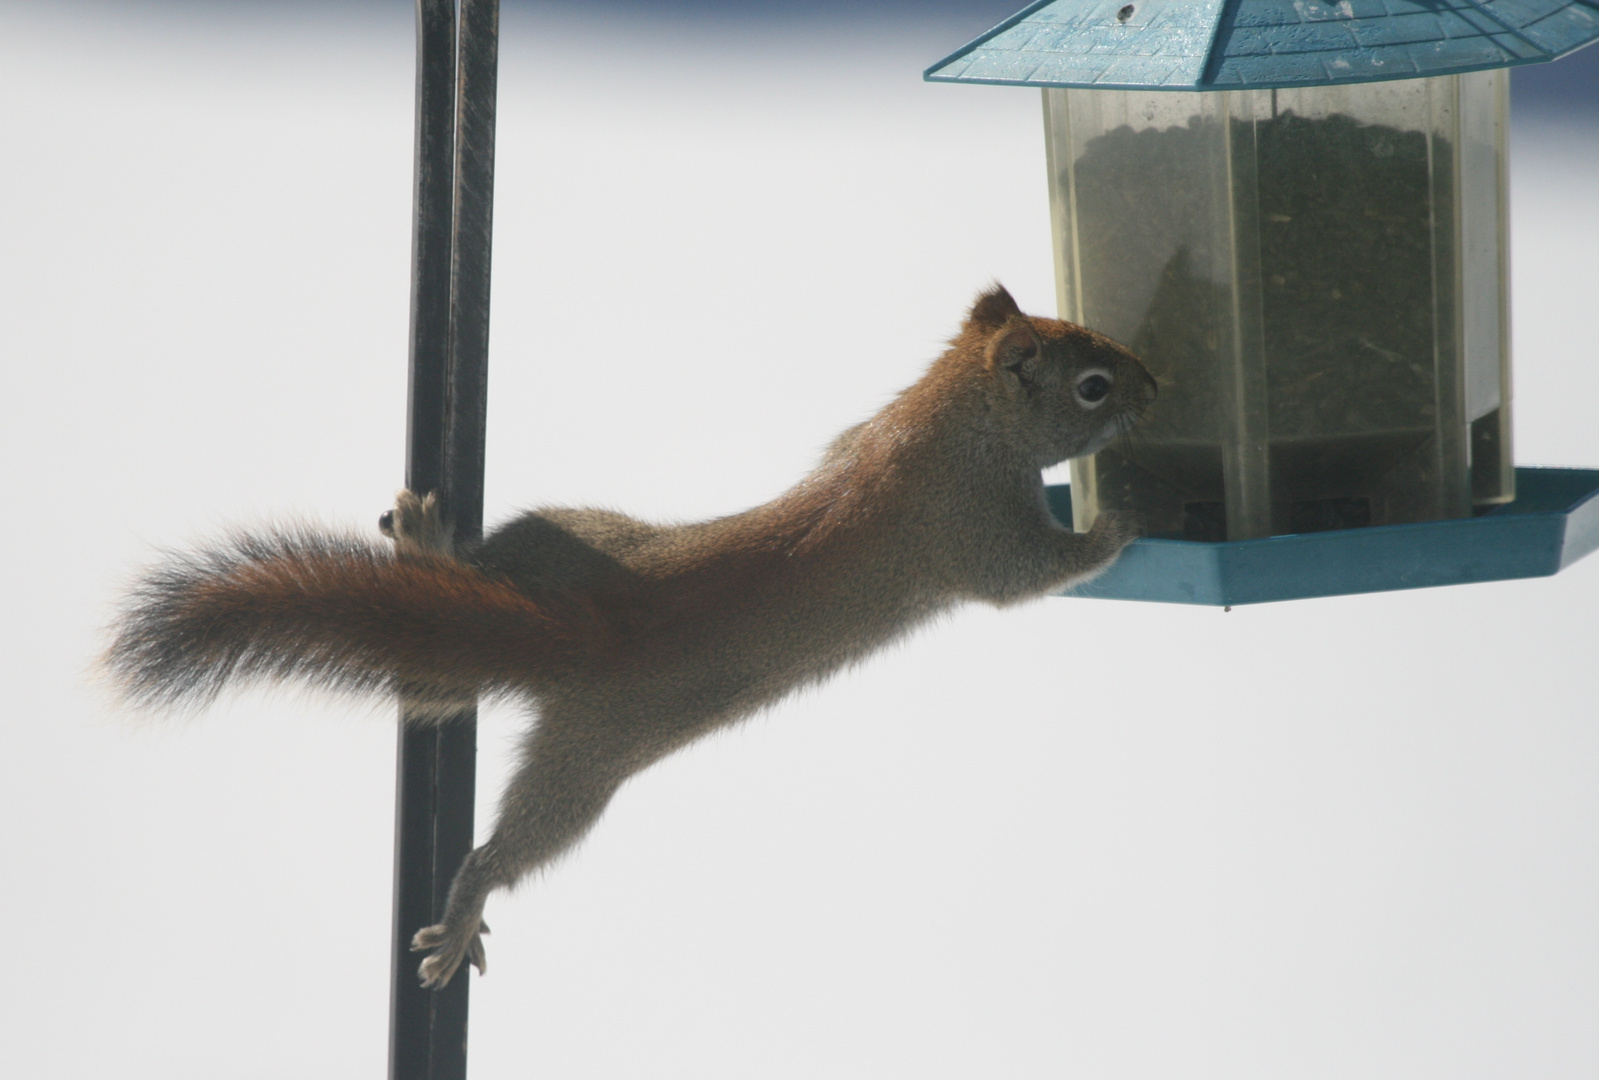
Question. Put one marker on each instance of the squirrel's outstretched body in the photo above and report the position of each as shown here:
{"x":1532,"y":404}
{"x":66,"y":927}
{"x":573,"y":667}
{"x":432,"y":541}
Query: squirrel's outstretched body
{"x":633,"y":639}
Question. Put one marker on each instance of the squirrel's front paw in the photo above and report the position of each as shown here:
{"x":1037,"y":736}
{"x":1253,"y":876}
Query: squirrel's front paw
{"x":449,"y":948}
{"x":416,"y":525}
{"x":1113,"y":530}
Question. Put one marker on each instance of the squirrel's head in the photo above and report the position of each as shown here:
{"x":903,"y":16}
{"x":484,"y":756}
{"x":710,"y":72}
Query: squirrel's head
{"x":1056,"y":389}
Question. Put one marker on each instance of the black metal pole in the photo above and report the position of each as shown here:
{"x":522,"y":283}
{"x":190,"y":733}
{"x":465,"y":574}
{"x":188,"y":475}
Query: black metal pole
{"x":477,"y":59}
{"x":454,"y":186}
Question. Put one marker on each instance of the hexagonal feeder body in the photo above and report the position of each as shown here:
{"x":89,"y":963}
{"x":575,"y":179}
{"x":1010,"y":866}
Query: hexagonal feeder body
{"x":1317,"y":274}
{"x":1295,"y":213}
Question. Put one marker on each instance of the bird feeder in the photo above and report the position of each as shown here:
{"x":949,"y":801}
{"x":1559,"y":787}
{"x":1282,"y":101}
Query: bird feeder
{"x":1296,"y":213}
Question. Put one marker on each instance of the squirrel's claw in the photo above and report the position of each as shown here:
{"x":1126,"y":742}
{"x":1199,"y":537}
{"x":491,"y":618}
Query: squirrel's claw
{"x":417,"y":526}
{"x":448,"y":950}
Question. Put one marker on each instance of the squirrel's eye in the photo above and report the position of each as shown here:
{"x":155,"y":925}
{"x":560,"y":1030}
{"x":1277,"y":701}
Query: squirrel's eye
{"x":1093,"y":388}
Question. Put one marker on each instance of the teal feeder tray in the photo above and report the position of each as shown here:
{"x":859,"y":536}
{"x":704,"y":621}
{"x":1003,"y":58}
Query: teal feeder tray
{"x":1553,"y":522}
{"x":1296,"y":213}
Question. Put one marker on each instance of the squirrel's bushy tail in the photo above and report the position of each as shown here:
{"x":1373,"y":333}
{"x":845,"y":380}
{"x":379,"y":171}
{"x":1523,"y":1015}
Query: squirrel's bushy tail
{"x":334,"y":612}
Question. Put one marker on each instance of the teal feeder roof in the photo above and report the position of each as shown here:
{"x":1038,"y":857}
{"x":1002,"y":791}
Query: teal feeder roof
{"x":1258,"y":44}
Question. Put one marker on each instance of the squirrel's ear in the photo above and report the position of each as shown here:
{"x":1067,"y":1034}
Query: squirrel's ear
{"x":992,"y":309}
{"x":1016,"y":353}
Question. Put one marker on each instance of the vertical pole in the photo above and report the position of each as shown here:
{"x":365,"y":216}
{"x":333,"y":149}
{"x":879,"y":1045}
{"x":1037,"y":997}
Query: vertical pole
{"x":435,"y":775}
{"x":477,"y":60}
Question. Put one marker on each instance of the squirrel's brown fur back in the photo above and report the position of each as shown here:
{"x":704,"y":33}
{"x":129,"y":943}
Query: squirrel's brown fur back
{"x":631,"y":639}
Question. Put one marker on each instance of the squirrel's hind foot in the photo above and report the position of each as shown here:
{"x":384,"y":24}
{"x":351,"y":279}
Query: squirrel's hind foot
{"x":448,"y":950}
{"x":416,"y":525}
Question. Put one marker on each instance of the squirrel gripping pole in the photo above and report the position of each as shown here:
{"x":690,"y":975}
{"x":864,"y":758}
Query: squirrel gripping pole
{"x":456,"y":61}
{"x":626,"y":640}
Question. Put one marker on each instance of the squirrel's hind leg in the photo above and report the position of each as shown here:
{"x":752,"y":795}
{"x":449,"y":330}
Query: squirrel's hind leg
{"x":554,"y":799}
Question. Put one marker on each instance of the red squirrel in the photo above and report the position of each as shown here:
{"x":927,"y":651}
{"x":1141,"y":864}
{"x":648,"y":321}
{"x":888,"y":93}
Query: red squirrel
{"x":629,"y":640}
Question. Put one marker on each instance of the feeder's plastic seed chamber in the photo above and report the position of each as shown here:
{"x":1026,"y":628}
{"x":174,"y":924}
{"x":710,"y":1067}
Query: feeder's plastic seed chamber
{"x":1317,"y":275}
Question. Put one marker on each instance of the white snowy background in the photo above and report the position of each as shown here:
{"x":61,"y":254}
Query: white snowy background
{"x":1334,"y":838}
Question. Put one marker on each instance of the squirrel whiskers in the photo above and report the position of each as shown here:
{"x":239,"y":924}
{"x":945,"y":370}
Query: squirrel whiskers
{"x":630,"y":640}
